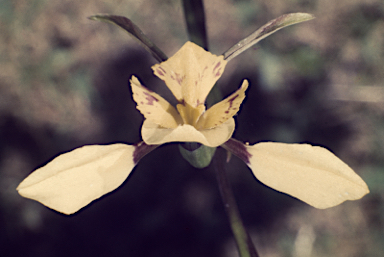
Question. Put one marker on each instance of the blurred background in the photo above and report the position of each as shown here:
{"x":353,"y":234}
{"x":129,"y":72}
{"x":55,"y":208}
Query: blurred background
{"x":64,"y":84}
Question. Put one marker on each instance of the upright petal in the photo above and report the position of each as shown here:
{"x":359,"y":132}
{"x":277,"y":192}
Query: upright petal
{"x":224,"y":110}
{"x":153,"y":134}
{"x":74,"y":179}
{"x":154,"y":107}
{"x":310,"y":173}
{"x":191,"y":73}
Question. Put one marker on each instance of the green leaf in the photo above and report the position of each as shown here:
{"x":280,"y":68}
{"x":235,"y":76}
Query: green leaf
{"x":266,"y":30}
{"x":134,"y":31}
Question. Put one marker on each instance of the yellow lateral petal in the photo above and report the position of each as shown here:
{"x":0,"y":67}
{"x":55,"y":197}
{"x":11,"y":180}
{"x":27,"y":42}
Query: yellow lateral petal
{"x":153,"y":106}
{"x":74,"y":179}
{"x":155,"y":135}
{"x":191,"y":73}
{"x":310,"y":173}
{"x":224,"y":110}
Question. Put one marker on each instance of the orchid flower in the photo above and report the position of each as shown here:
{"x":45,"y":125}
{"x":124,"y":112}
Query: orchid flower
{"x":310,"y":173}
{"x":190,"y":75}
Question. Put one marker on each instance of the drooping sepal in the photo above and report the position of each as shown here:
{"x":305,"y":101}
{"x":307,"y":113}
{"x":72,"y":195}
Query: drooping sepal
{"x":310,"y":173}
{"x":76,"y":178}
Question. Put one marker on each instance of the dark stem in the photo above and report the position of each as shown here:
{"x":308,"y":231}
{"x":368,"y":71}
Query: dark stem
{"x":195,"y":18}
{"x":243,"y":240}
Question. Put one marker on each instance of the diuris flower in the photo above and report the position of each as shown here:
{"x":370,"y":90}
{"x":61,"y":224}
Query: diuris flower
{"x":74,"y":179}
{"x":190,"y":75}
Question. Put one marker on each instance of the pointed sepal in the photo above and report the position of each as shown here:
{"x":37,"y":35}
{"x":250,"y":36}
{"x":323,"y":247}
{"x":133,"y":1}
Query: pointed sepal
{"x":266,"y":30}
{"x":134,"y":31}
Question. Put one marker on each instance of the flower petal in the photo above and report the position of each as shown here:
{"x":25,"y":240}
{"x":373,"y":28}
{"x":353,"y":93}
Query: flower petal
{"x":155,"y":135}
{"x":191,"y":73}
{"x":74,"y":179}
{"x":224,"y":110}
{"x":153,"y":106}
{"x":310,"y":173}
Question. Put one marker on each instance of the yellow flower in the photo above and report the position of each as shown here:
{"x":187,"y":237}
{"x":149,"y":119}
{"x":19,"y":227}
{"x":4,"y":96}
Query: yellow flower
{"x":74,"y":179}
{"x":190,"y":74}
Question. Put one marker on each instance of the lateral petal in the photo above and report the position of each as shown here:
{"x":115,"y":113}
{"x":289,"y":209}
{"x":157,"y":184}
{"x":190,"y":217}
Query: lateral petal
{"x":74,"y":179}
{"x":310,"y":173}
{"x":153,"y":134}
{"x":153,"y":106}
{"x":224,"y":110}
{"x":191,"y":73}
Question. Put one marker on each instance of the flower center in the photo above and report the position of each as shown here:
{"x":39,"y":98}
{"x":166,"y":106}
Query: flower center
{"x":189,"y":114}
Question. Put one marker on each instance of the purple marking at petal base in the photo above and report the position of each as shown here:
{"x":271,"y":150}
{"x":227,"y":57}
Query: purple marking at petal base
{"x":141,"y":149}
{"x":239,"y":149}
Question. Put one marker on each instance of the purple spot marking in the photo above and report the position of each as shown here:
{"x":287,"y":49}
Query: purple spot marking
{"x":202,"y":73}
{"x":217,"y":69}
{"x":150,"y":98}
{"x":179,"y":79}
{"x":161,"y":71}
{"x":230,"y":101}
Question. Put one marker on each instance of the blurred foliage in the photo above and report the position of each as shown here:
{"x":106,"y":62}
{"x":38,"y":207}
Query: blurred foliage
{"x":64,"y":83}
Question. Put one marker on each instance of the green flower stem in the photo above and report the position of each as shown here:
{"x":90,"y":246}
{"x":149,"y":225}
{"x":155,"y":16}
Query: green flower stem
{"x":242,"y":238}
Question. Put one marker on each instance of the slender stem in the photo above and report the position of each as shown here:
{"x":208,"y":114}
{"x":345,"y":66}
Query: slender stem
{"x":195,"y":19}
{"x":242,"y":238}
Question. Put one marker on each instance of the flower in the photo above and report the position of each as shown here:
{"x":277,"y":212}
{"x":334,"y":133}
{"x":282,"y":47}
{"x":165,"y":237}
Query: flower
{"x":190,"y":74}
{"x":310,"y":173}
